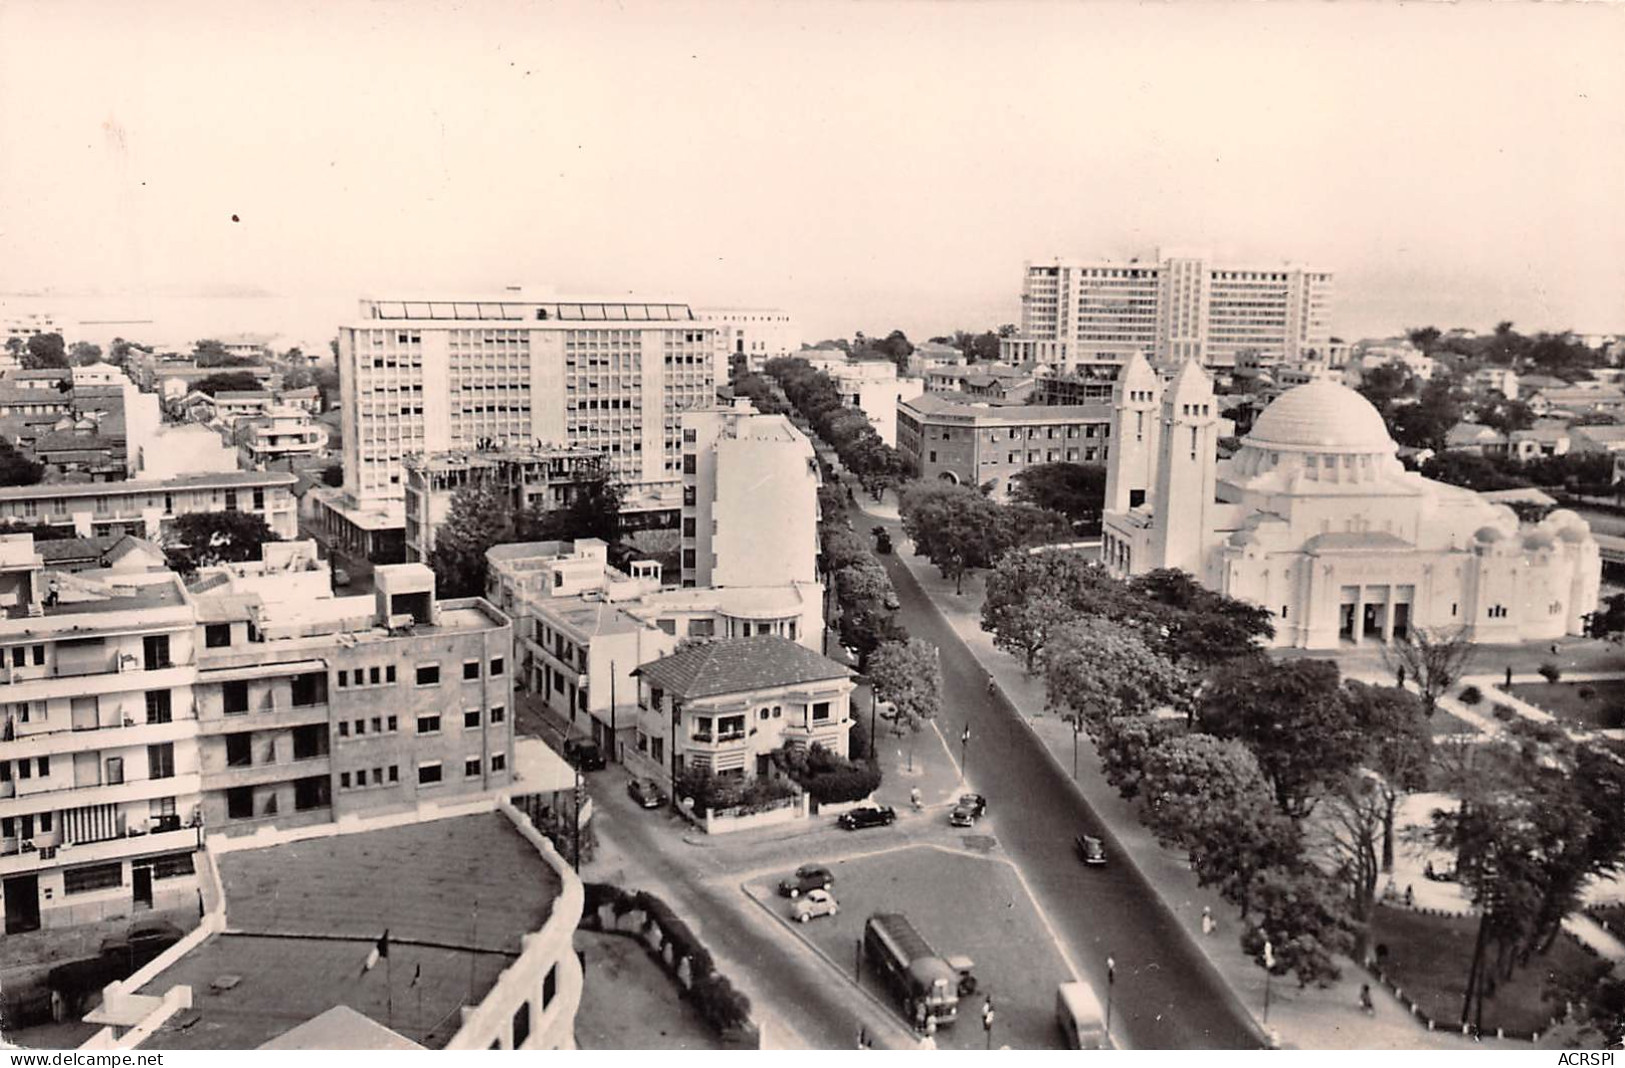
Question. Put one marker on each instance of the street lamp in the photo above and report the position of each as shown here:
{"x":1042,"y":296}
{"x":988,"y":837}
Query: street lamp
{"x":964,"y":746}
{"x":1077,"y":728}
{"x":1111,"y":980}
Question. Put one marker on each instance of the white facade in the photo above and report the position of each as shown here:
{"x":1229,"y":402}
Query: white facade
{"x":184,"y":449}
{"x":99,"y":774}
{"x":758,"y":334}
{"x":1315,"y":519}
{"x":750,"y":499}
{"x":872,"y":386}
{"x":1179,"y":306}
{"x":444,"y":374}
{"x":283,"y":433}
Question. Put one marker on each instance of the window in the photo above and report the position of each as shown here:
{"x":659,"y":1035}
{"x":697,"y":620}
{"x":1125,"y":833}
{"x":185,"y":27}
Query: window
{"x":521,"y":1025}
{"x":688,"y":558}
{"x":344,"y":780}
{"x":155,"y":651}
{"x":314,"y":792}
{"x":92,"y":877}
{"x":234,"y":695}
{"x":161,"y":761}
{"x":471,"y":767}
{"x":372,"y":676}
{"x":471,"y":718}
{"x":394,"y":773}
{"x":310,"y":741}
{"x":217,"y":635}
{"x":688,"y":527}
{"x":428,"y":774}
{"x":238,"y":750}
{"x":497,"y":714}
{"x":159,"y":709}
{"x":309,"y":689}
{"x":688,"y":464}
{"x":360,"y":727}
{"x":173,"y":866}
{"x":496,"y":665}
{"x":344,"y":678}
{"x":389,"y":673}
{"x":471,"y":669}
{"x":428,"y":674}
{"x":394,"y":724}
{"x":820,"y":711}
{"x":428,"y":724}
{"x":499,"y":762}
{"x":240,"y":802}
{"x":377,"y":776}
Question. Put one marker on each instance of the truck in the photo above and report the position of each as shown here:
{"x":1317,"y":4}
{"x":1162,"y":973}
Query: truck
{"x":1077,"y":1011}
{"x":929,"y":986}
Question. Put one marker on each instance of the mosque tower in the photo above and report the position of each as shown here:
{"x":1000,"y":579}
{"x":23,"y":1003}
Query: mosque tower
{"x":1182,"y":507}
{"x":1130,"y":470}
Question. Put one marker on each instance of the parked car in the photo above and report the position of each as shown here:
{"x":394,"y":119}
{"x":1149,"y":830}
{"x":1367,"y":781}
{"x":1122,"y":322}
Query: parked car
{"x":807,"y":877}
{"x":814,"y":903}
{"x":883,"y":543}
{"x":869,"y":816}
{"x":891,"y":602}
{"x":647,"y":793}
{"x":141,"y":943}
{"x":584,"y":755}
{"x":1091,"y":850}
{"x":967,"y":810}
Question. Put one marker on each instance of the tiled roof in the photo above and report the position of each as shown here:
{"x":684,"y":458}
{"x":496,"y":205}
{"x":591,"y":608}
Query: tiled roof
{"x":739,"y":665}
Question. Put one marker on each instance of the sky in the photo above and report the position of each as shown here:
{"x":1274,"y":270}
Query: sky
{"x":866,"y":166}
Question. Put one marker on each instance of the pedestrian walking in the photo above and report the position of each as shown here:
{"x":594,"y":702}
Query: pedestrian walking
{"x":1365,"y":1000}
{"x":1402,"y":675}
{"x":1207,"y":920}
{"x":1509,"y":676}
{"x":1410,"y":896}
{"x":863,"y":1037}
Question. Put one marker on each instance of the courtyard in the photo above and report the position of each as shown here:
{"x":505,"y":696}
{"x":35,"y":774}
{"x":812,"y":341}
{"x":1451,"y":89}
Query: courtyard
{"x":1588,"y":705}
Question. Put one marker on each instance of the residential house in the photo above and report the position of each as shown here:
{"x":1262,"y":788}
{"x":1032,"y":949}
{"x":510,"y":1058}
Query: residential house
{"x":724,"y":706}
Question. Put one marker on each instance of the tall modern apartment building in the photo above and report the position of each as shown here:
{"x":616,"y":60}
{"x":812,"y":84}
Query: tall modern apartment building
{"x":750,"y":499}
{"x":1095,"y":314}
{"x":425,"y":376}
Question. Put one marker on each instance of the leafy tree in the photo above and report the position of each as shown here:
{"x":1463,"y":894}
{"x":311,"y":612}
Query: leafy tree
{"x":16,"y":468}
{"x":45,"y":350}
{"x":1432,"y":658}
{"x":1506,"y":416}
{"x":1423,"y":425}
{"x":1077,"y":491}
{"x":1469,"y":469}
{"x":1540,"y":816}
{"x":203,"y":539}
{"x":593,"y":511}
{"x":479,"y":517}
{"x":211,"y":353}
{"x":1294,"y":717}
{"x":908,"y":674}
{"x":1399,"y":747}
{"x":1350,"y":831}
{"x":121,"y":351}
{"x":1596,"y":1003}
{"x":1193,"y":625}
{"x":1302,"y":916}
{"x":1029,"y":593}
{"x":954,"y":527}
{"x":1195,"y":779}
{"x":227,"y":382}
{"x":1384,"y":385}
{"x":1424,"y":338}
{"x":16,"y":346}
{"x":84,"y":352}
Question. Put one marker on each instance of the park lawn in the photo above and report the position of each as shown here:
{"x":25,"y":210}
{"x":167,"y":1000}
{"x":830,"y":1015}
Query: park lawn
{"x":1442,"y":723}
{"x":1611,"y":917}
{"x":1563,"y":700}
{"x":1428,"y":957}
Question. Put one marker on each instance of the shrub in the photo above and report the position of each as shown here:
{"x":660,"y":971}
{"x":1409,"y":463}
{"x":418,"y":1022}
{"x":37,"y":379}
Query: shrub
{"x":828,"y":778}
{"x":1504,"y":713}
{"x":1550,"y":672}
{"x":723,"y":1007}
{"x":1471,"y":695}
{"x":1585,"y":693}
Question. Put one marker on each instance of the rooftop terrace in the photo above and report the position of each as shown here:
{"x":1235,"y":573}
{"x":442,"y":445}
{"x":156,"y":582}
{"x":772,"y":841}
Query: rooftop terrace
{"x":456,"y":895}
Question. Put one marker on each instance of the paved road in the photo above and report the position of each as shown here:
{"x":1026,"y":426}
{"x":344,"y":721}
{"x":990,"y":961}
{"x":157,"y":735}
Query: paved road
{"x":1166,"y":995}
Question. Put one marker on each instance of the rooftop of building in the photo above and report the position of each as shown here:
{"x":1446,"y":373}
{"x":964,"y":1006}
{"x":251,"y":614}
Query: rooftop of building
{"x":304,"y":917}
{"x":459,"y":459}
{"x":961,"y":406}
{"x":1600,"y":434}
{"x":243,"y":395}
{"x":519,"y":307}
{"x":739,"y":665}
{"x":1322,"y":415}
{"x":99,"y":593}
{"x":590,"y":619}
{"x":220,"y":479}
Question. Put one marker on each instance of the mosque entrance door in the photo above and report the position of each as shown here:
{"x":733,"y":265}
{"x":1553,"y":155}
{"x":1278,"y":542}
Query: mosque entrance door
{"x":1345,"y":625}
{"x":1402,"y":621}
{"x":1371,"y":621}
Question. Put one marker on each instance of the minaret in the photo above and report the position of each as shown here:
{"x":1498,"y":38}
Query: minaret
{"x":1182,"y":506}
{"x":1132,"y":448}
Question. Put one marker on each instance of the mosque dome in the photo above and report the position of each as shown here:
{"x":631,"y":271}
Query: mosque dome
{"x":1488,"y":535}
{"x":1322,"y":416}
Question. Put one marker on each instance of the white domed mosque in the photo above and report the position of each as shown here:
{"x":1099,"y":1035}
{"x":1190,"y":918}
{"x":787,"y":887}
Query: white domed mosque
{"x":1315,"y":519}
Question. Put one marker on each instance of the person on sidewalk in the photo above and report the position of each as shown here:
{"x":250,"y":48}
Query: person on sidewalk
{"x":1365,"y":1000}
{"x":1401,"y":675}
{"x":1410,"y":897}
{"x":1207,"y":920}
{"x":1509,"y":677}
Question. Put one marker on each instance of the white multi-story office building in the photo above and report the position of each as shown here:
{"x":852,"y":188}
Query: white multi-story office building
{"x":99,"y":775}
{"x":423,"y":376}
{"x":750,"y":499}
{"x":1180,"y":305}
{"x":758,"y":334}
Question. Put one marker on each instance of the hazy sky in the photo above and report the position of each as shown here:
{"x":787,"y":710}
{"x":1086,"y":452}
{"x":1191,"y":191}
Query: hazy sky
{"x":866,"y":166}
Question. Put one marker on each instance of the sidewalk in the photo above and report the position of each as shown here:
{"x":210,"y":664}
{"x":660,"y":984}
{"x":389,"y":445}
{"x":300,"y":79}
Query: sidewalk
{"x":1304,"y":1018}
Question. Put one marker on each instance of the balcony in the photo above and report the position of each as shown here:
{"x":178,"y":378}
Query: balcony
{"x":264,"y":717}
{"x":169,"y":840}
{"x":67,"y":797}
{"x":262,"y":774}
{"x":131,"y":732}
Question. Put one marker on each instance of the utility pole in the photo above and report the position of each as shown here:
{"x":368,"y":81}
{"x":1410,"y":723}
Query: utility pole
{"x":614,"y":734}
{"x":964,"y":750}
{"x":1076,"y":720}
{"x":1111,"y":981}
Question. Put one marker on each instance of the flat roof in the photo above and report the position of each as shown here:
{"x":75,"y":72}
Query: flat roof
{"x":121,"y":599}
{"x":930,"y":404}
{"x":304,"y":916}
{"x":222,"y":479}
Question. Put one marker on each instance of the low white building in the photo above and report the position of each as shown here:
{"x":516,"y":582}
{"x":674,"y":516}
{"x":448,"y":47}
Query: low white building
{"x":758,"y":334}
{"x":872,"y":386}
